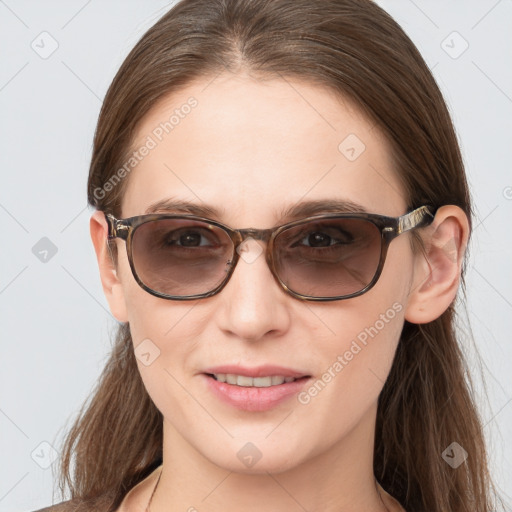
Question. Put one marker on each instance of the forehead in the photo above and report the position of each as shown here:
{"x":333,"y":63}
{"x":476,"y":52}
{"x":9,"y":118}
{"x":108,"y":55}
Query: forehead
{"x":252,"y":149}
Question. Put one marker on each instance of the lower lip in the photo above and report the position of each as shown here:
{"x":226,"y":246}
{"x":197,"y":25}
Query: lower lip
{"x":252,"y":398}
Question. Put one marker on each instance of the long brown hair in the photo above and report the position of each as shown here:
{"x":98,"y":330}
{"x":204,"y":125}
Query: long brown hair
{"x":355,"y":49}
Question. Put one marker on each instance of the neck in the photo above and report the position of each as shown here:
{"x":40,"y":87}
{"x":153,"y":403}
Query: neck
{"x":339,"y":479}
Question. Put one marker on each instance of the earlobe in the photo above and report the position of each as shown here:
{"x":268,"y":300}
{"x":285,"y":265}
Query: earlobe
{"x":437,"y":270}
{"x":112,"y":286}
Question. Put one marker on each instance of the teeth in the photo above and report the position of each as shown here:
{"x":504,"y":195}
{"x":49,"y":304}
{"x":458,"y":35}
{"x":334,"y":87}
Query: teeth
{"x":277,"y":379}
{"x":258,"y":382}
{"x":243,"y":381}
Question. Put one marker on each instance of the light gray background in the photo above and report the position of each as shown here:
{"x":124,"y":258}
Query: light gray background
{"x":55,"y":321}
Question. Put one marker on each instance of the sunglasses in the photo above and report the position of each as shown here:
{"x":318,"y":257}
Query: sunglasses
{"x":326,"y":257}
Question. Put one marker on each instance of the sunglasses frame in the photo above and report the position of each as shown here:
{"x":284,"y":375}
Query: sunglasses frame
{"x":389,"y":227}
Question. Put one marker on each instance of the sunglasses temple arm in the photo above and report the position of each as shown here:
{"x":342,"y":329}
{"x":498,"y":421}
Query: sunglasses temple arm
{"x":416,"y":219}
{"x":116,"y":229}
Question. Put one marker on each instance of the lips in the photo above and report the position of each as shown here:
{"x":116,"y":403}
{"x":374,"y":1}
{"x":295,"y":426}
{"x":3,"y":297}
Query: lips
{"x":254,"y":389}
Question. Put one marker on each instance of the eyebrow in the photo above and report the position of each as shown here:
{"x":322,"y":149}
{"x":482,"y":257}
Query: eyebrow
{"x":292,"y":212}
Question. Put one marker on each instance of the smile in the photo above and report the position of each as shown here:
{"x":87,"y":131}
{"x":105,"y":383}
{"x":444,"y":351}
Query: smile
{"x":245,"y":381}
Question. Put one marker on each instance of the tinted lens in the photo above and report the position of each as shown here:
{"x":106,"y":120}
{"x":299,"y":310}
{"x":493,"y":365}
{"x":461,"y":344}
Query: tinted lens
{"x":181,"y":257}
{"x":328,"y":257}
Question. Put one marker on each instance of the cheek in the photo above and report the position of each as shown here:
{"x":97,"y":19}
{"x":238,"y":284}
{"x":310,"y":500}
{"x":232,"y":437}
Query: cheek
{"x":164,"y":341}
{"x":354,"y":368}
{"x":378,"y":316}
{"x":148,"y":316}
{"x":357,"y":353}
{"x":373,"y":345}
{"x":171,"y":325}
{"x":364,"y":349}
{"x":161,"y":328}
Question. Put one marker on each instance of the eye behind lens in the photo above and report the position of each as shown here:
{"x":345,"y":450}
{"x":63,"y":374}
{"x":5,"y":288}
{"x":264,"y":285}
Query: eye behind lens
{"x":180,"y":257}
{"x":328,"y":258}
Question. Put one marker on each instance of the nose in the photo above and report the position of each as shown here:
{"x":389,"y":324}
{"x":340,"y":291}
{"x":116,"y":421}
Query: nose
{"x":253,"y":304}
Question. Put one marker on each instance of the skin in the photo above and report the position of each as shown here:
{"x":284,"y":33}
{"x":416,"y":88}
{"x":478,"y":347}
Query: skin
{"x":251,"y":147}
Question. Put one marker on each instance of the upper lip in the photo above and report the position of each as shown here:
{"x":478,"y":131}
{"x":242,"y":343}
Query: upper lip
{"x":257,"y":371}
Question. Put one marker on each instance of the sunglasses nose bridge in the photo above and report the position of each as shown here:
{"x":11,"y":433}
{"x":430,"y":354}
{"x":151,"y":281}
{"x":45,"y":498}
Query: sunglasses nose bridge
{"x":261,"y":235}
{"x":257,"y":234}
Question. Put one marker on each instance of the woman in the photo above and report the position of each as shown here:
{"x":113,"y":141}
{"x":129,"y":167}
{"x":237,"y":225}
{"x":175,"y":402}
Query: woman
{"x":310,"y":362}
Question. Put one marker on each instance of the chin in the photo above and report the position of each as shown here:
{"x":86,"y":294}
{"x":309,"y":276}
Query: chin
{"x":256,"y":457}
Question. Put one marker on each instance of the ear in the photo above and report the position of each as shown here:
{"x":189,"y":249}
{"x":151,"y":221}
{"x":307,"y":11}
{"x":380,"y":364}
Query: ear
{"x":112,"y":286}
{"x":437,"y":271}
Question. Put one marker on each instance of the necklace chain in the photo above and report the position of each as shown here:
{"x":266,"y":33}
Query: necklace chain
{"x":158,"y":481}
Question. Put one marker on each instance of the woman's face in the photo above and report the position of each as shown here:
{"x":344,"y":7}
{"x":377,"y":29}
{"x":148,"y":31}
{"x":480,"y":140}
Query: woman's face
{"x":251,"y":149}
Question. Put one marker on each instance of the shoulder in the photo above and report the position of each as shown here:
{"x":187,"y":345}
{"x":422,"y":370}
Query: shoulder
{"x":75,"y":505}
{"x":64,"y":506}
{"x":135,"y":499}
